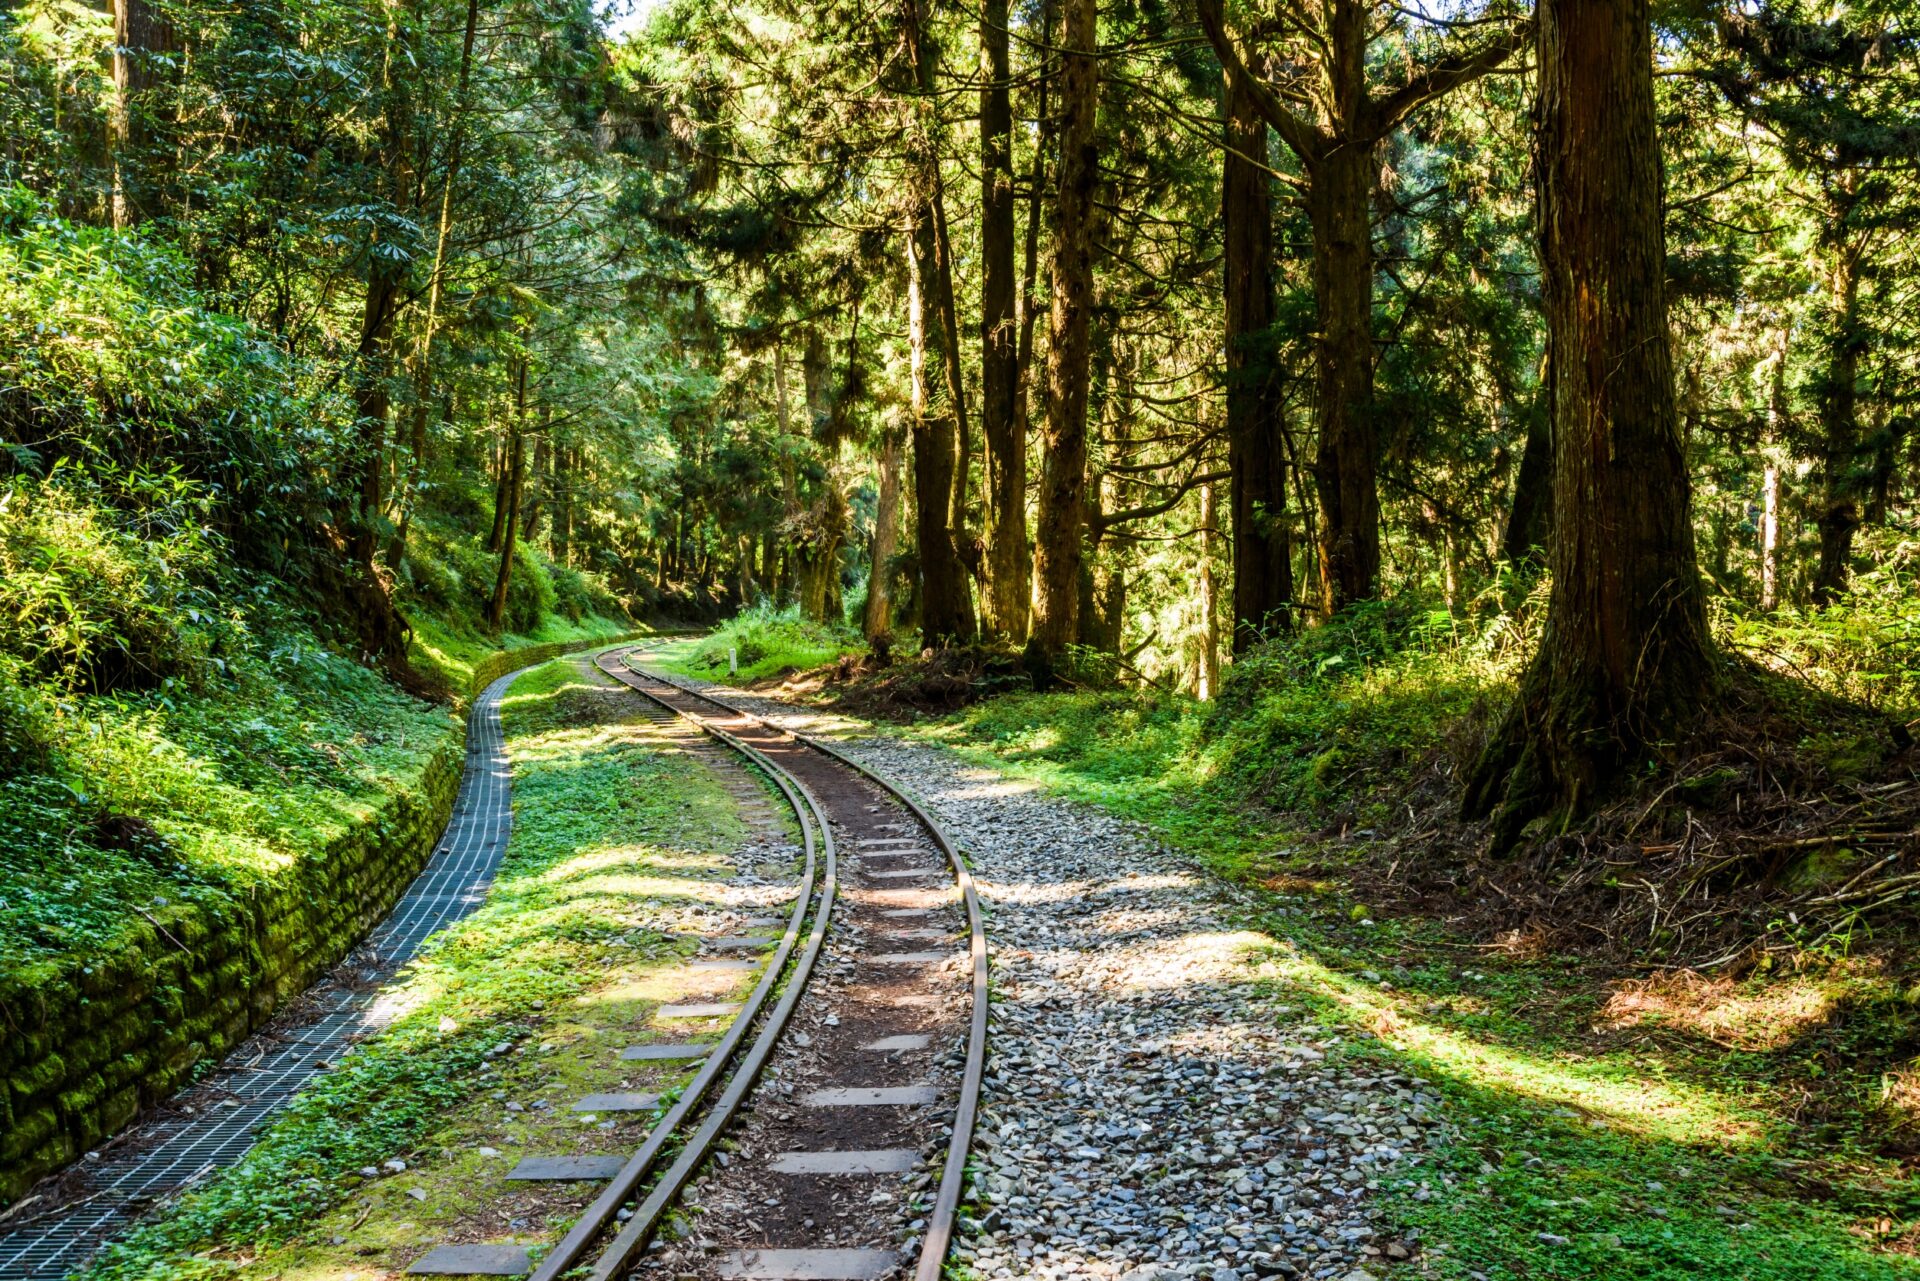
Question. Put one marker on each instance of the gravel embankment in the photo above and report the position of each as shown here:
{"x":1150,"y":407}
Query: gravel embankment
{"x":1154,"y":1107}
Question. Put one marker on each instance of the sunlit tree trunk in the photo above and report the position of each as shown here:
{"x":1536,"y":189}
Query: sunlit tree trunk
{"x":1625,"y":662}
{"x":1207,"y":678}
{"x":1057,"y":535}
{"x":1770,"y":478}
{"x":143,"y":39}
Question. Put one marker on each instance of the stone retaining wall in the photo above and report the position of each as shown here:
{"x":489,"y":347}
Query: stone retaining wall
{"x":87,"y":1043}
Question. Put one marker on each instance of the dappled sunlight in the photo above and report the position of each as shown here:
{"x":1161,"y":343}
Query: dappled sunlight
{"x":982,"y":785}
{"x":1030,"y":893}
{"x":1189,"y":960}
{"x":1765,"y":1019}
{"x":1658,"y":1110}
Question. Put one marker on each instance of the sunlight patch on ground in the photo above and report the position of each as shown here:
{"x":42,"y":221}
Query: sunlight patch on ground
{"x":1764,"y":1019}
{"x":1677,"y":1113}
{"x":1191,"y":959}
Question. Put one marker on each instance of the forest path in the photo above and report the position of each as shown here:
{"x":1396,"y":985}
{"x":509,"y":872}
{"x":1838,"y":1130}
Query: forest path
{"x":1155,"y":1105}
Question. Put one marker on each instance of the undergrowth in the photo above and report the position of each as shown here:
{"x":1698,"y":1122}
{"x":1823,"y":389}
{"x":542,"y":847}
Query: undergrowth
{"x":764,"y":642}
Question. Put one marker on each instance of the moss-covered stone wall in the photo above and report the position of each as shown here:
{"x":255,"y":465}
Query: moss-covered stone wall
{"x":90,"y":1041}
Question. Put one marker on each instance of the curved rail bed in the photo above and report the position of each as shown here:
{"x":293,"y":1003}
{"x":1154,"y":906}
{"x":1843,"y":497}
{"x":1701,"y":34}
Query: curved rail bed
{"x":805,"y":1193}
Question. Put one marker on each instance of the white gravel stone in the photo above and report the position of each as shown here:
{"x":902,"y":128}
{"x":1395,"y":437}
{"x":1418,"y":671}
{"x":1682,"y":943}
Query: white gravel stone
{"x":1154,"y":1108}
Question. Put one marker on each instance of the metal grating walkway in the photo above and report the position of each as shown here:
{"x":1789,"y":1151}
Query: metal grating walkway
{"x":259,"y":1077}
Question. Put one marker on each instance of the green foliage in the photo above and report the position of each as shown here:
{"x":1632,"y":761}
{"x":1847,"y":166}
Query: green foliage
{"x":767,"y":642}
{"x":112,"y":360}
{"x":1864,"y":647}
{"x":96,"y":597}
{"x":236,"y":781}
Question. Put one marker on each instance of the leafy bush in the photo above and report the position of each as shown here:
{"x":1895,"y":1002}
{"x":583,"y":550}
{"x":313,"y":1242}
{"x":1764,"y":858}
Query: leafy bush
{"x":101,"y":597}
{"x":109,"y":359}
{"x":769,"y":641}
{"x":1864,"y":647}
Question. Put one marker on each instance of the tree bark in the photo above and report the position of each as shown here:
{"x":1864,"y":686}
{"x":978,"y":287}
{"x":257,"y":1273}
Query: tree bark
{"x":1207,"y":677}
{"x":1002,"y":429}
{"x":1057,"y":540}
{"x":1626,"y":661}
{"x":371,"y":406}
{"x":1256,"y":443}
{"x":877,"y":620}
{"x":946,"y":608}
{"x":1770,"y":478}
{"x":1841,"y":488}
{"x":516,"y":477}
{"x":142,"y":39}
{"x":1335,"y":147}
{"x":1347,"y":462}
{"x":1525,"y":539}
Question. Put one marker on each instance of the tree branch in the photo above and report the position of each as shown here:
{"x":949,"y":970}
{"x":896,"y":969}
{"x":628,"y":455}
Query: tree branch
{"x":1440,"y":79}
{"x":1307,"y":142}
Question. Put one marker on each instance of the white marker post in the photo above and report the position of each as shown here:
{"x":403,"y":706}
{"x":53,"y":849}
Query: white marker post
{"x":733,"y":661}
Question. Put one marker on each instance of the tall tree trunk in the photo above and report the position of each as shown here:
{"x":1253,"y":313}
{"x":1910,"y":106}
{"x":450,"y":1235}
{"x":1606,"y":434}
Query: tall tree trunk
{"x":952,"y":364}
{"x":436,"y":279}
{"x":1770,"y":477}
{"x":142,"y":41}
{"x":1532,"y":507}
{"x":1626,"y":661}
{"x":1841,"y":488}
{"x":502,"y":476}
{"x":946,"y":609}
{"x":1002,"y":430}
{"x":542,"y":475}
{"x":1207,"y":678}
{"x":516,"y":478}
{"x":371,"y":406}
{"x":1348,"y":459}
{"x":560,"y":536}
{"x":877,"y":622}
{"x":1057,"y":540}
{"x":1256,"y":440}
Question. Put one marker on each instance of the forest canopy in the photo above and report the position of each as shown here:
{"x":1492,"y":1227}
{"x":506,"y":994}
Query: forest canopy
{"x":1102,"y":342}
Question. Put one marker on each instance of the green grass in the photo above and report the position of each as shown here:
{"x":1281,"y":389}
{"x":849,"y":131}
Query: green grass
{"x":765,"y":643}
{"x":607,"y":829}
{"x":451,"y":654}
{"x":236,"y":781}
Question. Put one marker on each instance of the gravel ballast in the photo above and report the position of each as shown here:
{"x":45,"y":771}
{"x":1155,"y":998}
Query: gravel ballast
{"x":1154,"y":1107}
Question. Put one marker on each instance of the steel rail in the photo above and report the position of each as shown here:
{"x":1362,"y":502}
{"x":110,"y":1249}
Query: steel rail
{"x":633,"y":1236}
{"x":940,"y":1220}
{"x":602,"y":1211}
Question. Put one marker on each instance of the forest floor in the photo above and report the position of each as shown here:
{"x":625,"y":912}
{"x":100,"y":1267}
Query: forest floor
{"x":1596,"y":1115}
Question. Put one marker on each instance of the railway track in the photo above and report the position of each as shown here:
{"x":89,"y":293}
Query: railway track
{"x":825,"y":1136}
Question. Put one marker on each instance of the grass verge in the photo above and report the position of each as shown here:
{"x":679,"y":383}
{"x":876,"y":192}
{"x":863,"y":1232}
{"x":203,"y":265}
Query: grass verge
{"x":762,"y":643}
{"x":525,"y":1002}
